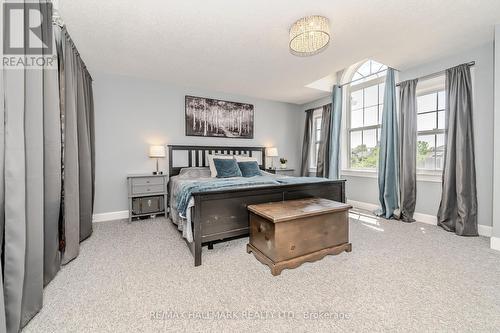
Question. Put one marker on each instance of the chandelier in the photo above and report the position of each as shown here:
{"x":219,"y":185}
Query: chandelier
{"x":309,"y":35}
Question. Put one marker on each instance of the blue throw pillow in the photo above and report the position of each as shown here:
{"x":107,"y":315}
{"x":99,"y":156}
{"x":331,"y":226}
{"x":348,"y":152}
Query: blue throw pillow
{"x":226,"y":168}
{"x":249,"y":169}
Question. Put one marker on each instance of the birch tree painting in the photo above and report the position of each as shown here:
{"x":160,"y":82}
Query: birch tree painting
{"x":216,"y":118}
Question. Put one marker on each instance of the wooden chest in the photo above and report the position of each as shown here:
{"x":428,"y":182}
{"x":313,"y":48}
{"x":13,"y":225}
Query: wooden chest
{"x":286,"y":234}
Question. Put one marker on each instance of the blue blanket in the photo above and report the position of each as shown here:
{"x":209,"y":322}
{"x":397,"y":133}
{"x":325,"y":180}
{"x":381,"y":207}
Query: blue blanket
{"x":301,"y":180}
{"x":186,"y":190}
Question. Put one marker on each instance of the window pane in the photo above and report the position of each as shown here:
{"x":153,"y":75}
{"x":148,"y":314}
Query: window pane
{"x":441,"y":120}
{"x":365,"y":69}
{"x":318,"y":123}
{"x":364,"y":156}
{"x":426,"y":103}
{"x":355,"y":139}
{"x":426,"y":121}
{"x":441,"y":100}
{"x":371,"y":116}
{"x":425,"y":150}
{"x":380,"y":110}
{"x":440,"y":139}
{"x":371,"y":96}
{"x":370,"y":138}
{"x":357,"y":99}
{"x":381,"y":92}
{"x":357,"y":118}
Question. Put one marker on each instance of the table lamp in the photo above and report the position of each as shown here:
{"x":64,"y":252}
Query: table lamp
{"x":157,"y":152}
{"x":272,"y":152}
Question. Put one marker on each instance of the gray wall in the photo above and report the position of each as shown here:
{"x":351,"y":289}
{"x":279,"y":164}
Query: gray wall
{"x":496,"y":196}
{"x":131,"y":114}
{"x":365,"y":189}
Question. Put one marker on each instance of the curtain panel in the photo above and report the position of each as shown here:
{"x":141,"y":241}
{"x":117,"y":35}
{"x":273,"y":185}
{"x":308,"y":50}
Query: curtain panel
{"x":46,"y":129}
{"x":458,"y":208}
{"x":334,"y":170}
{"x":388,"y":168}
{"x":323,"y":162}
{"x":77,"y":123}
{"x":306,"y":144}
{"x":407,"y":150}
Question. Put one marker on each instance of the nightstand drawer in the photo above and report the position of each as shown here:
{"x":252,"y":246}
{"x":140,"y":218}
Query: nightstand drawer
{"x":147,"y":181}
{"x":147,"y":189}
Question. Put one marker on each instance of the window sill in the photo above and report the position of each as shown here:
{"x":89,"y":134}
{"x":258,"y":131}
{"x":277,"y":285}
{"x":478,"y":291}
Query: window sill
{"x":430,"y":177}
{"x":421,"y":177}
{"x":359,"y":173}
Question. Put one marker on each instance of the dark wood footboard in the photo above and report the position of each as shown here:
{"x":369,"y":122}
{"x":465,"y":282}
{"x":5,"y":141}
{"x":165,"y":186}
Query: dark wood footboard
{"x":221,"y":215}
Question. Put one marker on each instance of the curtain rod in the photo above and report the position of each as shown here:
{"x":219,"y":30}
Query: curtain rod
{"x":436,"y":74}
{"x":362,"y":78}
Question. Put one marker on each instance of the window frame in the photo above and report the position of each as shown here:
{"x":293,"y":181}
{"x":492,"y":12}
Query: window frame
{"x":317,"y":114}
{"x":349,"y":90}
{"x":422,"y":92}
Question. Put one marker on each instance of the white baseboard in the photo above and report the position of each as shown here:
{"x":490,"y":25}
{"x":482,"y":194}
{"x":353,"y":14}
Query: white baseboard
{"x":111,"y":216}
{"x":483,"y":230}
{"x":495,"y":243}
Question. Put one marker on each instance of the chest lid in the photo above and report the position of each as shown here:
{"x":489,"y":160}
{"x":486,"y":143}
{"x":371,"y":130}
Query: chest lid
{"x":282,"y":211}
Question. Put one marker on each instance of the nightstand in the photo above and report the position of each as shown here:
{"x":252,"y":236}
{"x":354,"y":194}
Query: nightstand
{"x":147,"y":195}
{"x":284,"y":172}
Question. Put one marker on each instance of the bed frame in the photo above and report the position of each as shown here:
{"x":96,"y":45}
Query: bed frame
{"x":222,"y":215}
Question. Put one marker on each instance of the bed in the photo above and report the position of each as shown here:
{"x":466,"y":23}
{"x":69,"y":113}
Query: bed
{"x":214,"y":210}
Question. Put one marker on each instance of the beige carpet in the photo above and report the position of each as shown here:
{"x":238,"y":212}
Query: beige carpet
{"x":140,"y":277}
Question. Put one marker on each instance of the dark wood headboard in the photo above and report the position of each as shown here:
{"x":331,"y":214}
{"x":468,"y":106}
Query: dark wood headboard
{"x":197,"y":155}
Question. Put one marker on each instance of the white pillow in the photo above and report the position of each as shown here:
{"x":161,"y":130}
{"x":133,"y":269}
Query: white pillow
{"x":211,"y":164}
{"x":241,"y":158}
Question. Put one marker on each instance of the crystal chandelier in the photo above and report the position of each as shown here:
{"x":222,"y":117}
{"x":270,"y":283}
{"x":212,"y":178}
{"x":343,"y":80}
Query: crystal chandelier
{"x":309,"y":35}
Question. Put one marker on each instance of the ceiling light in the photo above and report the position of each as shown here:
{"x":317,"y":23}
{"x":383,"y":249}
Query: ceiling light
{"x":309,"y":35}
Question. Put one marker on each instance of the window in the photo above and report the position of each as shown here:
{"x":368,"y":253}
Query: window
{"x":364,"y":109}
{"x":431,"y":127}
{"x":316,"y":137}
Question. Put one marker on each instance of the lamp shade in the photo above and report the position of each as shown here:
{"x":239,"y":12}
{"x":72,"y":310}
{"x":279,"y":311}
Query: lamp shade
{"x":157,"y":151}
{"x":272,"y":152}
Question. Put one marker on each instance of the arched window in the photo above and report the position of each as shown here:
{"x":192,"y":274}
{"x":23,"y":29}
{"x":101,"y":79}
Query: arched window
{"x":364,"y":103}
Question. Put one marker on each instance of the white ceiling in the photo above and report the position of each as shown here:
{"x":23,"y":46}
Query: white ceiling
{"x":241,"y":47}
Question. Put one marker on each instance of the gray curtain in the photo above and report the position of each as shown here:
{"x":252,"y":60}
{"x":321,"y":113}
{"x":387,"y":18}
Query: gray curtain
{"x":33,"y":117}
{"x":458,"y":209}
{"x":77,"y":122}
{"x":407,"y":150}
{"x":52,"y":168}
{"x":388,"y":157}
{"x":84,"y":152}
{"x":323,"y":163}
{"x":28,"y":192}
{"x":70,"y":177}
{"x":334,"y":170}
{"x":306,"y":145}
